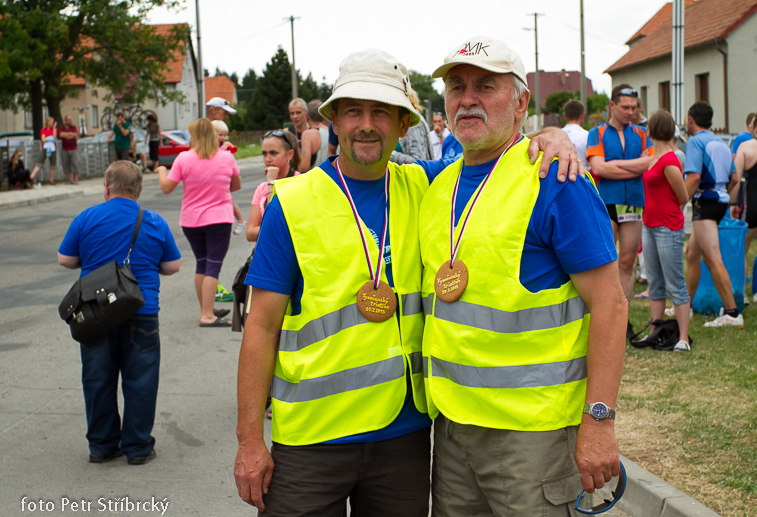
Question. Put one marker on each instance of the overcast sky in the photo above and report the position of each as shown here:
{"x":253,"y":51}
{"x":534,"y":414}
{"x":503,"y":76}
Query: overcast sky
{"x":241,"y":34}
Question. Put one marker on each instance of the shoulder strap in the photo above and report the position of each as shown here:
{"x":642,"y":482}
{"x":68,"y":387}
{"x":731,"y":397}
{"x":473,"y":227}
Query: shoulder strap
{"x":136,"y":232}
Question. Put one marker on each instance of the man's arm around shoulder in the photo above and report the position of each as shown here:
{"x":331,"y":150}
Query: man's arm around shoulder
{"x":596,"y":451}
{"x":253,"y":467}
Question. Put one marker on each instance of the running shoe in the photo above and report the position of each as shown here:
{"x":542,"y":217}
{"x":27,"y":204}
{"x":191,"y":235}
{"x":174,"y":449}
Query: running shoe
{"x":239,"y":227}
{"x":222,"y":295}
{"x":670,"y":312}
{"x":724,"y":320}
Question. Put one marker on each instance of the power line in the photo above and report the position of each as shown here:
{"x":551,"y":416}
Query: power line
{"x":587,"y":33}
{"x":256,"y":35}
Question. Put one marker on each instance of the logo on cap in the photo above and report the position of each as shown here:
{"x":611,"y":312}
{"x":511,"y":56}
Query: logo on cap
{"x":474,"y":49}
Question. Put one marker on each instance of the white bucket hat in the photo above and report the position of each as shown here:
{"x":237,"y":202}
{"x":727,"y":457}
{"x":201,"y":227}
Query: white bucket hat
{"x":484,"y":52}
{"x":372,"y":75}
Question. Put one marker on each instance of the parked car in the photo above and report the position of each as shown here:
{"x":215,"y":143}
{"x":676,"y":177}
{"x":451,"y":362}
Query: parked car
{"x":171,"y":145}
{"x":139,"y":137}
{"x":183,"y":133}
{"x":12,"y":140}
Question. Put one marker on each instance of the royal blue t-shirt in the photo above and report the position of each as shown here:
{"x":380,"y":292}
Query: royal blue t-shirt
{"x":742,"y":137}
{"x":451,"y":148}
{"x":102,"y":234}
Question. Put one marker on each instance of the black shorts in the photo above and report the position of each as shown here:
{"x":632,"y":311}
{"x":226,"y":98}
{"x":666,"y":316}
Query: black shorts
{"x":708,"y":210}
{"x":749,"y":191}
{"x":154,"y":145}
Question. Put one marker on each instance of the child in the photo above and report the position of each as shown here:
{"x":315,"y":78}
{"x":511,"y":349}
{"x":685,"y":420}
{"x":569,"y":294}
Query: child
{"x":222,"y":131}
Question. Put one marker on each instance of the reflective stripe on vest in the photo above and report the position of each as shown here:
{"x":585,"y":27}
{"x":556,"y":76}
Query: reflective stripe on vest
{"x":511,"y":377}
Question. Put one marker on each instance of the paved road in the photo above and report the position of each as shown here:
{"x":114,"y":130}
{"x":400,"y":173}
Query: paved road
{"x":42,"y":422}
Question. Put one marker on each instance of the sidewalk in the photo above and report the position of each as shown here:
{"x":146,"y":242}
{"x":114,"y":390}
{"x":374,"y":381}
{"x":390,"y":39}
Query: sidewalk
{"x":46,"y":193}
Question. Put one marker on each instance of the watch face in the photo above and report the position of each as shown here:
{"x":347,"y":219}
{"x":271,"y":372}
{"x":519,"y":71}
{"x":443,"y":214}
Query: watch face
{"x":599,"y":411}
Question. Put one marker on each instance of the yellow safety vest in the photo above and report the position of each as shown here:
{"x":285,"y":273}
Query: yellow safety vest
{"x":337,"y":374}
{"x":499,"y":357}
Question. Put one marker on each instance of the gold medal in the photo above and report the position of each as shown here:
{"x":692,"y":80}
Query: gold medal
{"x":376,"y":304}
{"x":451,"y":281}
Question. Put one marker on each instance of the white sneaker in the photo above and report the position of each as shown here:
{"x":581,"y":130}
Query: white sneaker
{"x":725,"y":320}
{"x":670,"y":312}
{"x":239,"y":227}
{"x":682,"y":346}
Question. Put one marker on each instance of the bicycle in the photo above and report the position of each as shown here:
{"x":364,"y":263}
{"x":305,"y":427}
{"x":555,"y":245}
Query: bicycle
{"x":133,"y":114}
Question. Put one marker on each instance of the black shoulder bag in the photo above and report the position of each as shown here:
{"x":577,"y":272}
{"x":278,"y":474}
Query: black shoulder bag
{"x":104,"y":299}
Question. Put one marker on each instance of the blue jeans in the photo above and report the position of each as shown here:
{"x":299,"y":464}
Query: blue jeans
{"x":133,"y":349}
{"x":663,"y":257}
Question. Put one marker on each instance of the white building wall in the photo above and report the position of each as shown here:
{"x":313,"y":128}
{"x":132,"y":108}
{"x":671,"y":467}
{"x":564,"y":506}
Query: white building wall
{"x":742,"y":73}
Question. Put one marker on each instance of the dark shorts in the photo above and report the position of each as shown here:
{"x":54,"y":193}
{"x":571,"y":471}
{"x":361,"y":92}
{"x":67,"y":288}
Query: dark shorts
{"x":625,"y":213}
{"x":390,"y":477}
{"x":122,"y":154}
{"x":750,"y":202}
{"x":209,"y":245}
{"x":154,"y":146}
{"x":707,"y":210}
{"x":42,"y":158}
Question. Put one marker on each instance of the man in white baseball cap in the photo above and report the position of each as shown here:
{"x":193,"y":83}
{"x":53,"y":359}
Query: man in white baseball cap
{"x":525,"y":316}
{"x":336,"y":332}
{"x":219,"y":108}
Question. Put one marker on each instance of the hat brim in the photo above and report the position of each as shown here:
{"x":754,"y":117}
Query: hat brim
{"x":443,"y":70}
{"x":369,"y":91}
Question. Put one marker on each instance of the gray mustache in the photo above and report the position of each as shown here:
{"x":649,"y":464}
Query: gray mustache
{"x":471,"y":111}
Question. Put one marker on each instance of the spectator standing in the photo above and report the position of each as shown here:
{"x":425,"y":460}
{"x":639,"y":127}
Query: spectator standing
{"x":663,"y":234}
{"x":573,"y":113}
{"x":315,"y":141}
{"x":746,"y":135}
{"x":618,"y":152}
{"x":638,"y":118}
{"x":746,"y":167}
{"x":416,"y":144}
{"x":281,"y":158}
{"x":124,"y":136}
{"x":709,"y":180}
{"x":68,"y":134}
{"x":219,"y":108}
{"x":222,"y":132}
{"x":438,"y":134}
{"x":99,"y":235}
{"x":47,"y":154}
{"x":18,"y":176}
{"x":152,"y":138}
{"x":207,"y":213}
{"x":298,"y":114}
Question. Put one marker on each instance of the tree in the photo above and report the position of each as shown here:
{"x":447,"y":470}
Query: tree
{"x":268,"y":107}
{"x":423,"y":86}
{"x":247,"y":86}
{"x":598,"y":103}
{"x":556,"y":101}
{"x":46,"y":42}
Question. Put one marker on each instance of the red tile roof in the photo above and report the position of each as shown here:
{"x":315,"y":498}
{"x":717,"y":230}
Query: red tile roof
{"x":219,"y":86}
{"x":665,"y":12}
{"x":551,"y":82}
{"x":705,"y":21}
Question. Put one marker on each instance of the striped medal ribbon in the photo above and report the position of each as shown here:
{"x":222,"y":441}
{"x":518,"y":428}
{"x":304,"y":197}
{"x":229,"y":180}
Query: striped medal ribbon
{"x":375,"y":300}
{"x":452,"y":277}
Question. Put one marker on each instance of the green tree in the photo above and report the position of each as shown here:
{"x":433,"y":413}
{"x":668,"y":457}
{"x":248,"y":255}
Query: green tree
{"x":556,"y":101}
{"x":268,"y":107}
{"x":45,"y":42}
{"x":247,"y":86}
{"x":307,"y":89}
{"x":598,"y":103}
{"x":423,"y":86}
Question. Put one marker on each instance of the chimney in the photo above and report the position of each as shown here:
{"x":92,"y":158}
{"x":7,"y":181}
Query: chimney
{"x":563,"y":77}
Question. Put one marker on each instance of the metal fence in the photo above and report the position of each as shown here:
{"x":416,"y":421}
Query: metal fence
{"x":93,"y":158}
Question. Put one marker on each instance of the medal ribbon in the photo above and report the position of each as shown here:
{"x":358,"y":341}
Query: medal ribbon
{"x":375,"y":272}
{"x":455,"y":246}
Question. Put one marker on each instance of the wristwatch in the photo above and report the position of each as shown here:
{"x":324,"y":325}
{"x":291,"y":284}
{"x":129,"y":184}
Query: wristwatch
{"x":599,"y":410}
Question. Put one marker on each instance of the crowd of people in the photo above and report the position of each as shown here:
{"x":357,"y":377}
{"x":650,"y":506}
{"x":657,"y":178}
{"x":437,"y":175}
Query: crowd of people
{"x":490,"y":296}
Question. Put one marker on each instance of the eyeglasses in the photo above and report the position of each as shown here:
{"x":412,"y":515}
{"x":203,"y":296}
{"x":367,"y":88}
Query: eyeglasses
{"x":278,"y":134}
{"x":607,"y":504}
{"x":629,"y":91}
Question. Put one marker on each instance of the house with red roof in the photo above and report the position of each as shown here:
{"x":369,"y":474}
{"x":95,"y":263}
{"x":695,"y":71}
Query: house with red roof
{"x":221,"y":86}
{"x":562,"y":81}
{"x":720,"y":60}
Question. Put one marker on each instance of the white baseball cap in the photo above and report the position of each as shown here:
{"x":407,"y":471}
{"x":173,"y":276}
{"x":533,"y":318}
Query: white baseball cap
{"x":484,"y":52}
{"x":220,"y":102}
{"x":372,"y":75}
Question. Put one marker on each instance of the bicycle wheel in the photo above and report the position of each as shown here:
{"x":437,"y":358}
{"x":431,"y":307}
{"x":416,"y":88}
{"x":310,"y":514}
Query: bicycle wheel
{"x":108,"y":120}
{"x":141,"y":118}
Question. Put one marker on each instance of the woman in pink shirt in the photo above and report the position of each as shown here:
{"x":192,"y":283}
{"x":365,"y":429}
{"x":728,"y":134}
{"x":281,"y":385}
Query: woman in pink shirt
{"x":207,"y":210}
{"x":281,"y":156}
{"x":663,"y":234}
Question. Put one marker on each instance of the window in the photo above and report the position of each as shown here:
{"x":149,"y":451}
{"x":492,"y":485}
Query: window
{"x":702,"y":87}
{"x":95,"y":116}
{"x":643,"y":99}
{"x":186,"y":106}
{"x":665,"y":95}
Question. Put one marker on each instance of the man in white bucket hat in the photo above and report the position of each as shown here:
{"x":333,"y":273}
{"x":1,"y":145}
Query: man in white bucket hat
{"x":525,"y":316}
{"x":336,"y":332}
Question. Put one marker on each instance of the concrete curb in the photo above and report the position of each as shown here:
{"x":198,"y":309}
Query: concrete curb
{"x":649,"y":496}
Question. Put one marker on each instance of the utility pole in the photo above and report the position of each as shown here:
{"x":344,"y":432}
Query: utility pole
{"x":676,"y":106}
{"x":583,"y":63}
{"x":537,"y":93}
{"x":294,"y":70}
{"x":201,"y":80}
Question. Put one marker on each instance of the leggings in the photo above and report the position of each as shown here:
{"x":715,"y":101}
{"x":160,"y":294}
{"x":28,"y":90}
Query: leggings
{"x":209,"y":244}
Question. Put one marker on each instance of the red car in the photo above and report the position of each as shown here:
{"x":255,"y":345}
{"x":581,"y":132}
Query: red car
{"x":170,"y":146}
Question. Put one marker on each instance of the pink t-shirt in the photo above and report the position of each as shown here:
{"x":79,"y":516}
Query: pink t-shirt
{"x":261,"y":194}
{"x":207,"y":188}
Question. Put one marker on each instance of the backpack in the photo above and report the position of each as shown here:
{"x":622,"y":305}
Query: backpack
{"x":664,"y":337}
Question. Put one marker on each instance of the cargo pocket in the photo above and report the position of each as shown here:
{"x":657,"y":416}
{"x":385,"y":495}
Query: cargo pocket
{"x":563,"y":489}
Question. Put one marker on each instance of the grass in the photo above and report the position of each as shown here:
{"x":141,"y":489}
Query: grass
{"x":246,"y":151}
{"x":691,"y":418}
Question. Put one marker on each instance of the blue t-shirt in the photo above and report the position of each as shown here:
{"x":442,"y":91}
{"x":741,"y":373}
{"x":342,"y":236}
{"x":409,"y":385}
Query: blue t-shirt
{"x":102,"y":234}
{"x":708,"y":155}
{"x":742,"y":137}
{"x":451,"y":148}
{"x":604,"y":141}
{"x":333,"y":139}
